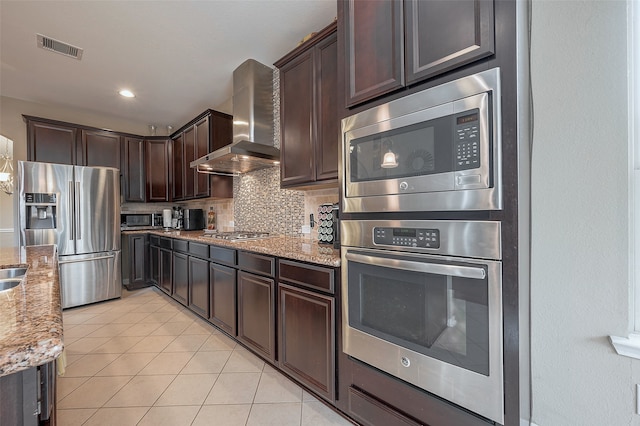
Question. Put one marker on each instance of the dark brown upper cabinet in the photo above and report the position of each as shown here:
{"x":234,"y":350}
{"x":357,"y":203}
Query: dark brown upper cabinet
{"x":202,"y":136}
{"x":189,"y":136}
{"x":393,"y":43}
{"x":157,"y":166}
{"x":308,"y":114}
{"x":133,"y":170}
{"x":101,"y":148}
{"x":178,"y":167}
{"x":207,"y":132}
{"x":51,"y":141}
{"x":374,"y":51}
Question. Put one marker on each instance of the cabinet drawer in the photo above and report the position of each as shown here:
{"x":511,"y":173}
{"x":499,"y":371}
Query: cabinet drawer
{"x":199,"y":250}
{"x":154,"y":240}
{"x":166,"y":243}
{"x":181,"y":245}
{"x":222,"y":255}
{"x":369,"y":411}
{"x":265,"y":265}
{"x":310,"y":276}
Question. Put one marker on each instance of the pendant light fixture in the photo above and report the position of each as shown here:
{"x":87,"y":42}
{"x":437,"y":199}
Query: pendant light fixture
{"x":6,"y":166}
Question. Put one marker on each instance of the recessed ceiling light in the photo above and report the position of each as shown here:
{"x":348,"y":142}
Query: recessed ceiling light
{"x":127,"y":93}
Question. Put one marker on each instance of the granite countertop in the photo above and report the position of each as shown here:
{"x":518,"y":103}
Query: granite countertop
{"x":296,"y":248}
{"x":30,"y":314}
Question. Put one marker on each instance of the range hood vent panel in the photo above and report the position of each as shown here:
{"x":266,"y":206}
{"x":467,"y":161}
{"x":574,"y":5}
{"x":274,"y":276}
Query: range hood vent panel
{"x":252,"y":146}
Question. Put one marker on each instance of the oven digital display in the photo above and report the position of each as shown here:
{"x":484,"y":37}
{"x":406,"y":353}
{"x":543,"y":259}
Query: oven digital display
{"x":404,"y":232}
{"x":467,"y":118}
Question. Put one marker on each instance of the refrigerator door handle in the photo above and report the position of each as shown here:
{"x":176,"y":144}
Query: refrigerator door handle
{"x":62,"y":262}
{"x":72,"y":235}
{"x":77,"y":212}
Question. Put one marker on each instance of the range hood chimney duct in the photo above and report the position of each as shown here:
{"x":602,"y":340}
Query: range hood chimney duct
{"x":252,"y":145}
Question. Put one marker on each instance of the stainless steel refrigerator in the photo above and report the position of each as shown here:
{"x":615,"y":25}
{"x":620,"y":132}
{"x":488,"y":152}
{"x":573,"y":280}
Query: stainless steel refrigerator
{"x":78,"y":209}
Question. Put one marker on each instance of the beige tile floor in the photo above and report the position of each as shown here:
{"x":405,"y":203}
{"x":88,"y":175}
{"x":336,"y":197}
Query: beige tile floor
{"x":144,"y":359}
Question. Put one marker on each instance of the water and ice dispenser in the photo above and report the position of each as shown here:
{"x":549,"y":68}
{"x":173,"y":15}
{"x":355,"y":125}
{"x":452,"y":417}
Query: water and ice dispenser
{"x":41,"y":210}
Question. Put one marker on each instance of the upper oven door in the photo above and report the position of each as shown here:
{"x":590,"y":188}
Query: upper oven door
{"x":437,"y":150}
{"x":433,"y":321}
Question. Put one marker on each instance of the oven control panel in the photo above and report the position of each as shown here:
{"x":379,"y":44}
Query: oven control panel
{"x":407,"y":237}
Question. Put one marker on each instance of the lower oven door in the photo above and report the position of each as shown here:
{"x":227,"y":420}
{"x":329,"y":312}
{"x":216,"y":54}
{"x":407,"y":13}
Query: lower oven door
{"x":433,"y":321}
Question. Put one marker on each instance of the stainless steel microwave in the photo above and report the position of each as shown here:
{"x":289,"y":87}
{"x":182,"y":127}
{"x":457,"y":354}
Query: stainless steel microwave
{"x":434,"y":150}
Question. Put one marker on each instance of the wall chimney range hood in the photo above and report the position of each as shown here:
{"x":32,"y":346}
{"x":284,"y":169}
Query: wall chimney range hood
{"x":252,"y":146}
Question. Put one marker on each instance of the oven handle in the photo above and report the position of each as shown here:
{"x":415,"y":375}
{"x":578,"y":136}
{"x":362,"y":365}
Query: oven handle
{"x":432,"y":268}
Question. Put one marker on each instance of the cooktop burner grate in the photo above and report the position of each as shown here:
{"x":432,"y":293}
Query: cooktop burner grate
{"x":238,"y":235}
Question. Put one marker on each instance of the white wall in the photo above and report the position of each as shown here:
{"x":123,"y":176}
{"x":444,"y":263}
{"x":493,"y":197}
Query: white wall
{"x":579,"y":282}
{"x":13,"y":126}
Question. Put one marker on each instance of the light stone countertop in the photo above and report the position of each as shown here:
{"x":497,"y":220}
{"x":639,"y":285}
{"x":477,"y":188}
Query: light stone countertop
{"x":296,"y":248}
{"x":31,"y":313}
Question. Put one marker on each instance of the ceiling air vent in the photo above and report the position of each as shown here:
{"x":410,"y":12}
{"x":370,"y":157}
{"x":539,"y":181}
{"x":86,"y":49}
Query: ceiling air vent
{"x":57,"y":46}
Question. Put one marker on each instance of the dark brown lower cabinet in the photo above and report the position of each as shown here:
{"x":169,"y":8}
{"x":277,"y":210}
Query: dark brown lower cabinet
{"x":256,"y":313}
{"x":222,"y":305}
{"x":26,"y":393}
{"x":307,"y":338}
{"x":154,"y":261}
{"x":199,"y":286}
{"x":181,"y":278}
{"x":166,"y":271}
{"x":138,"y":252}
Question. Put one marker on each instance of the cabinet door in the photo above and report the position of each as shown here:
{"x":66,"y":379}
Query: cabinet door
{"x":443,"y":35}
{"x":221,"y":130}
{"x":326,"y":122}
{"x":374,"y":48}
{"x":138,"y":258}
{"x":307,"y":338}
{"x":133,"y":170}
{"x":181,"y":278}
{"x":154,"y":265}
{"x":51,"y":143}
{"x":201,"y":149}
{"x":178,"y":167}
{"x":199,"y":286}
{"x":256,"y":313}
{"x":101,"y":149}
{"x":157,"y":169}
{"x":166,"y":271}
{"x":222,"y":287}
{"x":296,"y":117}
{"x":189,"y":136}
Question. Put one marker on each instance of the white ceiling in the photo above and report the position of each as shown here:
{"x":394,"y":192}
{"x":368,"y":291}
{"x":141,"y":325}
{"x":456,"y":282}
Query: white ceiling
{"x":177,"y":56}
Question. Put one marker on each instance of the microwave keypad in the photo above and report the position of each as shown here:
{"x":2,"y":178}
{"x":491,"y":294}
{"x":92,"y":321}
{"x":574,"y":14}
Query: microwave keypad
{"x":467,"y":147}
{"x":407,"y":237}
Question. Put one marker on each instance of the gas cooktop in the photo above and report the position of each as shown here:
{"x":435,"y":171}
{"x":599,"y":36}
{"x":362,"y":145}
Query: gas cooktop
{"x":238,"y":235}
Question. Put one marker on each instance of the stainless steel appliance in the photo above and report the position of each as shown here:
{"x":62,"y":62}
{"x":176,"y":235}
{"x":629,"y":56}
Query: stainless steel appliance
{"x":132,"y":221}
{"x":422,"y":301}
{"x":435,"y":150}
{"x":76,"y":208}
{"x":252,"y":146}
{"x":193,"y":219}
{"x":238,"y":235}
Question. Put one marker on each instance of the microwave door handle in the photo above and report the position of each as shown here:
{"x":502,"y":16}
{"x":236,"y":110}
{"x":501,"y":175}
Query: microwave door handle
{"x":431,"y":268}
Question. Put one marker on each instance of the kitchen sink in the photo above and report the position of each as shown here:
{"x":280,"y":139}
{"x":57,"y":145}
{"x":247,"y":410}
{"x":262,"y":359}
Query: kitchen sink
{"x":9,"y":283}
{"x":12,"y":273}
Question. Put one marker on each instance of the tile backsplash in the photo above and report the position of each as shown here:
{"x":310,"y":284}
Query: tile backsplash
{"x":259,"y":204}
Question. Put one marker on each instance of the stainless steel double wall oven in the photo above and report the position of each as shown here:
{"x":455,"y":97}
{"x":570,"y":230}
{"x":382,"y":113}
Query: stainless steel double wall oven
{"x":422,"y":293}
